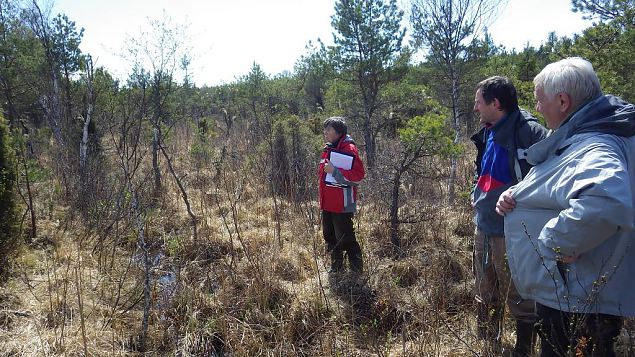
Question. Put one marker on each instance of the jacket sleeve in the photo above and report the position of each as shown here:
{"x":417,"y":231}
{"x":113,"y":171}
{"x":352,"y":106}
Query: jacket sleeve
{"x":599,"y":204}
{"x":320,"y":168}
{"x":479,"y":143}
{"x":355,"y":174}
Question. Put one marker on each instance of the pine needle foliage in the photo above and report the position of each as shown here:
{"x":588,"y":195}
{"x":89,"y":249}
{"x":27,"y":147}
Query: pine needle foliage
{"x":9,"y":237}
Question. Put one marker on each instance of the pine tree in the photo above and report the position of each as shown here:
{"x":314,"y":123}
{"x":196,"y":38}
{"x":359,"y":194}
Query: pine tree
{"x":9,"y":238}
{"x":368,"y":38}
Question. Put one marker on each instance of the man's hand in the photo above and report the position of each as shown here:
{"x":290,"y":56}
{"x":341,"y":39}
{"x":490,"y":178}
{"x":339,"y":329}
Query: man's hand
{"x":328,"y":167}
{"x":505,"y":203}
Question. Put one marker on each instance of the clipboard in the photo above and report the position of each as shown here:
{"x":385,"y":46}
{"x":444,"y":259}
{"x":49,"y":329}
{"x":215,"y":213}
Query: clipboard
{"x":340,"y":160}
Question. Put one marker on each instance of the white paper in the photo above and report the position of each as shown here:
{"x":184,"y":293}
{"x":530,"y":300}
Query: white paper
{"x":341,"y":161}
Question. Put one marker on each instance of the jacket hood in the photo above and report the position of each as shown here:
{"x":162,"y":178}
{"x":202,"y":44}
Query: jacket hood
{"x":606,"y":114}
{"x":348,"y":139}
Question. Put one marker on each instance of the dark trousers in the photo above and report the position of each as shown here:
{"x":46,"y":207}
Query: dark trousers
{"x":570,"y":334}
{"x":339,"y":235}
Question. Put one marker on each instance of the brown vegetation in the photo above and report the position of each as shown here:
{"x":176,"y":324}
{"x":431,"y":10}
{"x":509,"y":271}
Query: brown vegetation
{"x":238,"y":289}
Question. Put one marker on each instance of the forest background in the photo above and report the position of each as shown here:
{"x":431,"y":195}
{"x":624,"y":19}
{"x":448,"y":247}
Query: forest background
{"x":152,"y":216}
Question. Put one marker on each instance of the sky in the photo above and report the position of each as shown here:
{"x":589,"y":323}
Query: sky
{"x":227,"y":36}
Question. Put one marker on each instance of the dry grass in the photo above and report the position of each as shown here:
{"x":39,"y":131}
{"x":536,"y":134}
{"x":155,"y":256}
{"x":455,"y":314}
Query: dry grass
{"x":254,"y":282}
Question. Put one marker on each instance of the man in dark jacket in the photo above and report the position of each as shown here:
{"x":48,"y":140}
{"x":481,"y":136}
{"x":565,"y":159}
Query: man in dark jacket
{"x":339,"y":172}
{"x":506,"y":131}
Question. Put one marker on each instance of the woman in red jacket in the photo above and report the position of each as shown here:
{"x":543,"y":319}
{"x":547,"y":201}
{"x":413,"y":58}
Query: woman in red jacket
{"x":340,"y":172}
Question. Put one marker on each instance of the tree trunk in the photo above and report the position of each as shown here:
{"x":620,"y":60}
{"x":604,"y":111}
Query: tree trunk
{"x":188,"y":206}
{"x":67,"y":94}
{"x":146,"y":288}
{"x":31,"y":206}
{"x":394,"y":210}
{"x":369,"y":140}
{"x":54,"y":116}
{"x":144,"y":246}
{"x":83,"y":148}
{"x":52,"y":105}
{"x":155,"y":162}
{"x":457,"y":136}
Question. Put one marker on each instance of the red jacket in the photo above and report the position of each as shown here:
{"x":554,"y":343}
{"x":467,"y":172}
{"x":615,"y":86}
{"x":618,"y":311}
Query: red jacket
{"x":340,"y":196}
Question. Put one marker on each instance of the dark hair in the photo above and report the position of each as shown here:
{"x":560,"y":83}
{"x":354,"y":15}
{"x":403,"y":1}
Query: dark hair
{"x":500,"y":88}
{"x":337,"y":123}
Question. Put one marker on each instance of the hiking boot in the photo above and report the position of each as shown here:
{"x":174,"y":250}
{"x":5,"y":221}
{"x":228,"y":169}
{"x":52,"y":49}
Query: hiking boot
{"x":337,"y":261}
{"x":525,"y":339}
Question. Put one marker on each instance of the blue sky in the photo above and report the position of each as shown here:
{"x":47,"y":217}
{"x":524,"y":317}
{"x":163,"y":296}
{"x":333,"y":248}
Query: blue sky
{"x":228,"y":36}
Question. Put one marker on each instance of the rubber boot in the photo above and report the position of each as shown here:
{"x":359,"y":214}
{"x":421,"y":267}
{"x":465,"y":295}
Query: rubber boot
{"x":525,"y":339}
{"x":356,"y":262}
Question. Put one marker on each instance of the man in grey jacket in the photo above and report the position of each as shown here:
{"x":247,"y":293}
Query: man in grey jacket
{"x":570,"y":223}
{"x":506,"y":129}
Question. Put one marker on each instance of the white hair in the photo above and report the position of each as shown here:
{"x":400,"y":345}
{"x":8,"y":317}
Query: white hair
{"x":574,"y":76}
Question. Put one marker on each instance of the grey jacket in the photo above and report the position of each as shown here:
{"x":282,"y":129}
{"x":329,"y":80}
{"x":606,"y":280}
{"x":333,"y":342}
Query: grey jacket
{"x":579,"y":201}
{"x":519,"y":130}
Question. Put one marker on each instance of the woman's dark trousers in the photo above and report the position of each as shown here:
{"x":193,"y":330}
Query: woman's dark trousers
{"x":339,"y":235}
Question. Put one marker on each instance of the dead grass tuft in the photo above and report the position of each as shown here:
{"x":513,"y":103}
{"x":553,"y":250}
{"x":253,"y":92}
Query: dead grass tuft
{"x":405,"y":273}
{"x":308,"y":321}
{"x":210,"y":250}
{"x":286,"y":269}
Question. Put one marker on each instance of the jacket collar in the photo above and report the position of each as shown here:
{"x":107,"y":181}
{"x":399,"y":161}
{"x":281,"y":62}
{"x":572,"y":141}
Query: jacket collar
{"x":343,"y":139}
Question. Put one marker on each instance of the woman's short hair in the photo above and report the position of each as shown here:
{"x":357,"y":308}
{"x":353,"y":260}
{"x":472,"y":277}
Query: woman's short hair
{"x":337,"y":123}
